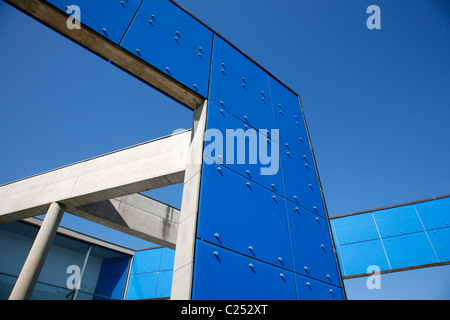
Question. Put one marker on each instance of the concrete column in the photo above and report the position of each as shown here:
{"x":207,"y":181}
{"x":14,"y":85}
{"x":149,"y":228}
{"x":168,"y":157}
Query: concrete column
{"x":187,"y":224}
{"x":33,"y":265}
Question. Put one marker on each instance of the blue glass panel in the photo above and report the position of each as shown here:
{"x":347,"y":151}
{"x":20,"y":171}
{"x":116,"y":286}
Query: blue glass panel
{"x":310,"y":289}
{"x":167,"y":259}
{"x":259,"y":162}
{"x":164,"y":286}
{"x":357,"y":257}
{"x":223,"y":274}
{"x":440,"y":239}
{"x":236,"y":95}
{"x":142,"y":286}
{"x":179,"y":23}
{"x":154,"y":44}
{"x":359,"y":227}
{"x":435,"y":213}
{"x":301,"y":184}
{"x":111,"y":279}
{"x":289,"y":119}
{"x":109,"y":18}
{"x":146,"y":261}
{"x":242,"y":218}
{"x":239,"y":67}
{"x":312,"y":249}
{"x":409,"y":250}
{"x":396,"y":221}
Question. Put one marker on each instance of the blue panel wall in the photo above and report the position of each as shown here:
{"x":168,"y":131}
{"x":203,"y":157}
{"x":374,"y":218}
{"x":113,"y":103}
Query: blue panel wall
{"x":259,"y":225}
{"x":151,"y":274}
{"x":170,"y":39}
{"x":109,"y":18}
{"x":220,"y":273}
{"x":410,"y":235}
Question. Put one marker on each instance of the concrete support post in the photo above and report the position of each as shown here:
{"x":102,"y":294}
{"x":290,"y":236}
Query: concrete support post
{"x":33,"y":265}
{"x":184,"y":252}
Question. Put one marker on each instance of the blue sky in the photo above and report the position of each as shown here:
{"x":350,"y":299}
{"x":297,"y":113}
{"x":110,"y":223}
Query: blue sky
{"x":376,"y":101}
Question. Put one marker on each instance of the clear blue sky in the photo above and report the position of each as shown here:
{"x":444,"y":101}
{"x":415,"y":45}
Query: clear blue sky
{"x":376,"y":101}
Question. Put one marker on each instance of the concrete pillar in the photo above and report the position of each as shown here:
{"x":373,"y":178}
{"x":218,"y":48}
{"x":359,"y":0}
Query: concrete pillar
{"x":33,"y":265}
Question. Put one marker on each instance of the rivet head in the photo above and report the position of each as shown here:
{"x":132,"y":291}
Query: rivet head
{"x":216,"y":235}
{"x":328,"y":276}
{"x":250,"y":248}
{"x":167,"y":68}
{"x":296,"y":208}
{"x":281,"y":275}
{"x":273,"y":197}
{"x":308,"y":284}
{"x":280,"y":259}
{"x":104,"y":29}
{"x":295,"y":197}
{"x":219,"y":168}
{"x":137,"y":50}
{"x":216,"y":253}
{"x":250,"y":265}
{"x":331,"y":290}
{"x":305,"y":268}
{"x":247,"y":183}
{"x":247,"y":171}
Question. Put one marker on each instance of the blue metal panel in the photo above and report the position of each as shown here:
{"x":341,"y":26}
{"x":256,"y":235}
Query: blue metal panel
{"x":247,"y":99}
{"x":146,"y":261}
{"x":167,"y":259}
{"x":409,"y":250}
{"x":289,"y":119}
{"x":223,"y":274}
{"x":396,"y":221}
{"x":142,"y":286}
{"x":172,"y":18}
{"x":167,"y":52}
{"x":435,"y":213}
{"x":109,"y":18}
{"x":440,"y":239}
{"x":248,"y":218}
{"x":310,"y":289}
{"x":312,"y":249}
{"x":301,"y":184}
{"x":164,"y":286}
{"x":256,"y":147}
{"x":357,"y":257}
{"x":359,"y":227}
{"x":239,"y":67}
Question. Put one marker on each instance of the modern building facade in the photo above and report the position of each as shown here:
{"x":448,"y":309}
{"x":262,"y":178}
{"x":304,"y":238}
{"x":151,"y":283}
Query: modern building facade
{"x":253,"y":222}
{"x":105,"y":271}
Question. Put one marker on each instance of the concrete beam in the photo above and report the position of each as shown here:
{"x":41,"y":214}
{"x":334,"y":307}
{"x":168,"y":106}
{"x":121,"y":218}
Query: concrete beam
{"x":137,"y":215}
{"x":150,"y":165}
{"x":86,"y":37}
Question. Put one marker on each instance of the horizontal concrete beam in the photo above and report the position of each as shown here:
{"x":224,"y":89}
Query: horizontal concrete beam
{"x":147,"y":166}
{"x":86,"y":37}
{"x":137,"y":215}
